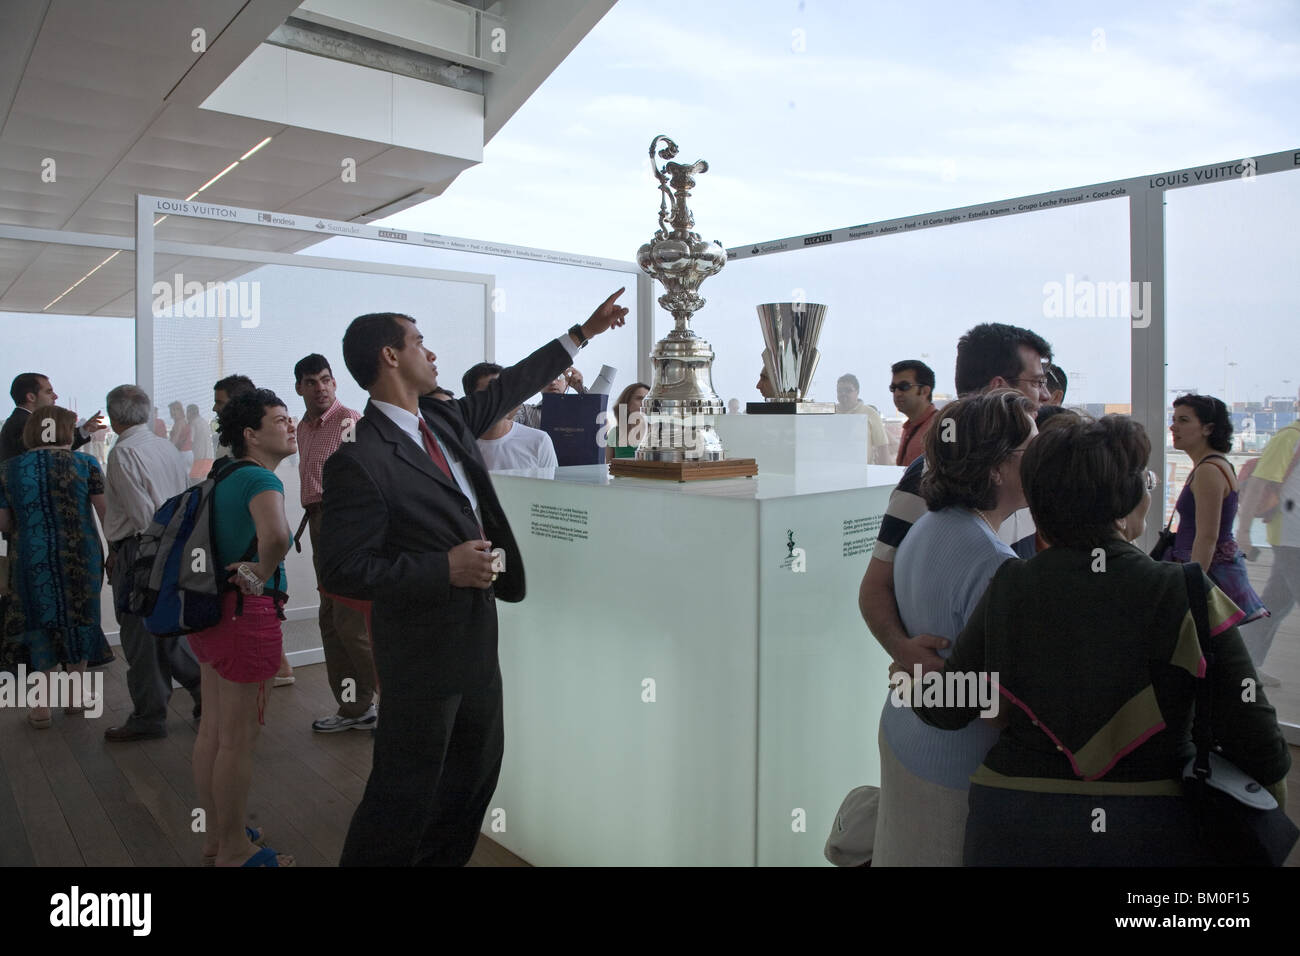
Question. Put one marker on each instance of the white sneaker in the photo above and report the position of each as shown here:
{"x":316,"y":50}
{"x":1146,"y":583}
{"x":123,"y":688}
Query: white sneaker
{"x":336,"y":722}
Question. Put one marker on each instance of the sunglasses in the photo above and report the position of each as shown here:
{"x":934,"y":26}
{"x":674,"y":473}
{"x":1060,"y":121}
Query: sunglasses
{"x":901,"y":387}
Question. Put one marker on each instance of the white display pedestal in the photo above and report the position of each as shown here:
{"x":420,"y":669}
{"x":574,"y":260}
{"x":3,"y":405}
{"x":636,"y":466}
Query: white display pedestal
{"x":795,"y":444}
{"x":688,"y":681}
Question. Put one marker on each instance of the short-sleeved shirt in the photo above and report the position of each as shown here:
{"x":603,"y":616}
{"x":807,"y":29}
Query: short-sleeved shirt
{"x":906,"y":506}
{"x":520,"y":448}
{"x":235,"y":527}
{"x":317,"y":440}
{"x":1284,"y":530}
{"x":912,"y":444}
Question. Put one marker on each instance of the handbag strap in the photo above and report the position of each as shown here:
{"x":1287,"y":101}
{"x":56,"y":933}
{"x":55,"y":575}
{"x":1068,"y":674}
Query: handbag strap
{"x":1202,"y":730}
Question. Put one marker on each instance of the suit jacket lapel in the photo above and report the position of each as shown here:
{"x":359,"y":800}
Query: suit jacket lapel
{"x":406,"y":450}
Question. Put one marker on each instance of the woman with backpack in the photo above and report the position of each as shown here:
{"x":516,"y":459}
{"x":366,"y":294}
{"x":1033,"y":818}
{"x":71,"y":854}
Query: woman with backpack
{"x":239,"y":655}
{"x":1207,"y":506}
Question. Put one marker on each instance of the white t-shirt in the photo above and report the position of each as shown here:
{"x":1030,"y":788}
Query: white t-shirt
{"x":521,"y":448}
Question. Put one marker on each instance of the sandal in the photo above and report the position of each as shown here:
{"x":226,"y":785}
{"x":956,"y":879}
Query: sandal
{"x":267,"y":857}
{"x":254,"y":835}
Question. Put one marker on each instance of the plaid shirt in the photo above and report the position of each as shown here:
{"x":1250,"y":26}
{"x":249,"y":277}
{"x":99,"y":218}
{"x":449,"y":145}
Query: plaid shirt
{"x":317,"y":440}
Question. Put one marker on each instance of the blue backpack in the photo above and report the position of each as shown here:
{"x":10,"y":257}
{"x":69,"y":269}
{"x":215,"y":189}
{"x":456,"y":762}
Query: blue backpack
{"x":176,"y":582}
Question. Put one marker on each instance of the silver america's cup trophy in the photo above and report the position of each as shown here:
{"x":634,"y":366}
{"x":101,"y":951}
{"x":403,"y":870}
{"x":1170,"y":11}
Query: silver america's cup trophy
{"x":790,"y":331}
{"x":680,"y":406}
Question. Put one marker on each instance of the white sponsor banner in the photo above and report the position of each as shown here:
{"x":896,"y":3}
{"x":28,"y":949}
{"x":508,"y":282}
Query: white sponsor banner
{"x":1244,"y":168}
{"x":334,"y":227}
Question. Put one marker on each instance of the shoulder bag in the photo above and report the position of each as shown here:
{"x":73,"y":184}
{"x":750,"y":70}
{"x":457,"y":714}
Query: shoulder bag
{"x":1239,"y":821}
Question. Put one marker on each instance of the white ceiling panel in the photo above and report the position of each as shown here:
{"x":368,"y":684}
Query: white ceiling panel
{"x":109,"y":90}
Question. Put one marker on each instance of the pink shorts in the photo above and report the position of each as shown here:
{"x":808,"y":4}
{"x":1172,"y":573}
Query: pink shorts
{"x":244,"y":649}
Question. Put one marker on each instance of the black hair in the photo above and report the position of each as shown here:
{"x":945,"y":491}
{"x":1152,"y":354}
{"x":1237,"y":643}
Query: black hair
{"x":1080,"y":476}
{"x":23,"y":384}
{"x":924,"y":374}
{"x":469,"y":381}
{"x":848,"y":377}
{"x":234,"y":385}
{"x":1047,"y":413}
{"x":366,"y":337}
{"x":245,"y":410}
{"x":312,"y":364}
{"x":1056,"y":378}
{"x":992,"y":350}
{"x":1210,"y":411}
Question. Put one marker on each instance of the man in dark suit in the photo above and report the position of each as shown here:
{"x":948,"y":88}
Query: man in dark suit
{"x":409,"y":521}
{"x":32,"y":390}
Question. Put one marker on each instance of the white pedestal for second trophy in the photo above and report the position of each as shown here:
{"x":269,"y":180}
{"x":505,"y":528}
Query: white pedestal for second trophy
{"x":797,"y":444}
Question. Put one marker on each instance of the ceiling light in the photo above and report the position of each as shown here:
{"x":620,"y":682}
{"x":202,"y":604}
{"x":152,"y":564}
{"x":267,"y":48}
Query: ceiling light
{"x":218,"y":175}
{"x":160,"y":219}
{"x":254,"y":149}
{"x":84,"y":278}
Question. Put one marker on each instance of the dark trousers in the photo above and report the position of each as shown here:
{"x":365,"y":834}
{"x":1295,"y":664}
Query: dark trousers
{"x":435,"y":768}
{"x":151,"y":661}
{"x":1023,"y":828}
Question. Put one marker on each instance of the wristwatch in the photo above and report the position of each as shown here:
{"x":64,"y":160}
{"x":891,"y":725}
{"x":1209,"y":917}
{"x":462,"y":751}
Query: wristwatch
{"x":576,"y":332}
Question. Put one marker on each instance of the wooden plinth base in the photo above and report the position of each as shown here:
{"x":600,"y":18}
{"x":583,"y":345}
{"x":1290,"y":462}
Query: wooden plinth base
{"x":684,"y":470}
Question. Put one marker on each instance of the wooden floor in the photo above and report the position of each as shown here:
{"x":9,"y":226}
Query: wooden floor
{"x":69,"y":798}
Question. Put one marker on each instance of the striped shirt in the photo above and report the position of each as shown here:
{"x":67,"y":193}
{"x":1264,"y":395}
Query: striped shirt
{"x":317,"y":440}
{"x":906,"y":507}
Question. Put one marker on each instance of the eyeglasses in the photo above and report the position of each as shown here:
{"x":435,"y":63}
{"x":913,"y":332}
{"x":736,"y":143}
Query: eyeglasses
{"x":901,"y":387}
{"x":1038,"y":382}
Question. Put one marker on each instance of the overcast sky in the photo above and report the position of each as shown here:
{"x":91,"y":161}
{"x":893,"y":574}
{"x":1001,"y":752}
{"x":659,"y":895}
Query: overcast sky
{"x":893,"y":109}
{"x":822,"y":114}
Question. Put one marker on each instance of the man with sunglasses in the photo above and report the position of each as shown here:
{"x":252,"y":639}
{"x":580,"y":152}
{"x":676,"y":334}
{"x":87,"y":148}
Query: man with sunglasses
{"x":913,"y":391}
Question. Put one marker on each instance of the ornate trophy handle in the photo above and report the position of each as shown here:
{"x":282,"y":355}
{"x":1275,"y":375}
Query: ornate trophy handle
{"x":668,"y":152}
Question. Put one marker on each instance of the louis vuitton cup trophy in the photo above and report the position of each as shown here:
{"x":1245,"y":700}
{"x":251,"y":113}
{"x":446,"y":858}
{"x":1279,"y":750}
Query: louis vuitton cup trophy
{"x":790,"y":331}
{"x":679,"y":442}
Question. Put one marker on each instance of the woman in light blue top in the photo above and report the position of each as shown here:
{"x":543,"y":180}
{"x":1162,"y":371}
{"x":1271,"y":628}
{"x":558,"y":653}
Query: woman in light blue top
{"x":943,"y":566}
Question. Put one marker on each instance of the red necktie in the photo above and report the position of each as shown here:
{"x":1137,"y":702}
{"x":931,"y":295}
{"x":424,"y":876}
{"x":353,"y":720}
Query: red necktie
{"x":431,"y":446}
{"x":439,"y":459}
